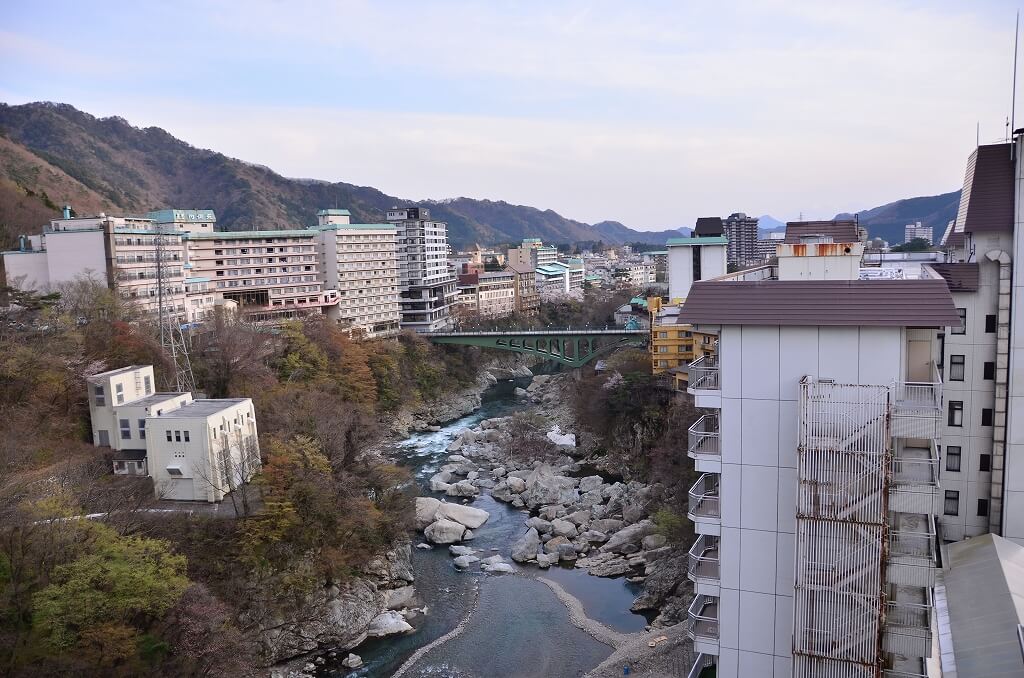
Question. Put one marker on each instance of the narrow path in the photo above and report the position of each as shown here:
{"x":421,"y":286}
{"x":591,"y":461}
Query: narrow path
{"x":451,"y":635}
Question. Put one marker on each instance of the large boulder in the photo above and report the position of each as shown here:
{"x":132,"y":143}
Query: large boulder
{"x":396,"y":599}
{"x":426,"y":507}
{"x":463,"y":562}
{"x":467,"y":515}
{"x":653,"y":541}
{"x":594,"y":536}
{"x":631,"y":535}
{"x":502,"y":493}
{"x":579,"y":517}
{"x":498,"y":568}
{"x":515,"y":484}
{"x":591,"y":483}
{"x":551,"y":545}
{"x":386,"y":624}
{"x":543,"y":526}
{"x":607,"y":525}
{"x":463,"y":488}
{"x":526,"y":547}
{"x":566,"y":552}
{"x":563,"y":528}
{"x":457,"y":550}
{"x":560,"y":439}
{"x":544,"y":487}
{"x":445,"y":531}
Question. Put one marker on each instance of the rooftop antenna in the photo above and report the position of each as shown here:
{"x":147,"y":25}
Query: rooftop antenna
{"x":1013,"y":94}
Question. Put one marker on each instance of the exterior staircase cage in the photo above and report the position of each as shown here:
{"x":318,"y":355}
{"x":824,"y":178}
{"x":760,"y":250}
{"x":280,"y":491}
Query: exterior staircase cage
{"x":844,"y":469}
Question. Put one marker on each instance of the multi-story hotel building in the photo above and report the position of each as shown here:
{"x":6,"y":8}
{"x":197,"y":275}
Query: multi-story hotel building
{"x":360,"y":262}
{"x":487,"y":295}
{"x":816,"y":551}
{"x":527,"y":297}
{"x":533,"y":253}
{"x":426,"y":285}
{"x":741,"y":231}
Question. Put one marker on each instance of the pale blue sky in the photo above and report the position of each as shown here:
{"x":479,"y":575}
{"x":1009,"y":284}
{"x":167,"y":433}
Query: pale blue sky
{"x":649,"y":113}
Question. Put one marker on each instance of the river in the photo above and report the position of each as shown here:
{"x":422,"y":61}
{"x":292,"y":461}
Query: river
{"x":519,"y":627}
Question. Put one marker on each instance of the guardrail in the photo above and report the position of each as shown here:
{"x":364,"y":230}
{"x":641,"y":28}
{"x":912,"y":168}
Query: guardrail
{"x":704,"y":374}
{"x":704,"y":436}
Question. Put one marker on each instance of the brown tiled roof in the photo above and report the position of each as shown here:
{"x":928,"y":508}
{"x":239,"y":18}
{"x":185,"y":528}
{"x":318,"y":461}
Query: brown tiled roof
{"x":841,"y":230}
{"x":519,"y":268}
{"x":708,"y":226}
{"x":959,"y":277}
{"x":899,"y":303}
{"x":986,"y":201}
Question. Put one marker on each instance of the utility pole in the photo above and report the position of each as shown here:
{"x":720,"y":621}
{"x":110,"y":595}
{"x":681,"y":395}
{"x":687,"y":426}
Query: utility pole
{"x":172,"y":339}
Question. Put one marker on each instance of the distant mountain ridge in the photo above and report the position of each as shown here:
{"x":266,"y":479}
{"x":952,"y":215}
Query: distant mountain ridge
{"x":888,"y":221}
{"x":108,"y":162}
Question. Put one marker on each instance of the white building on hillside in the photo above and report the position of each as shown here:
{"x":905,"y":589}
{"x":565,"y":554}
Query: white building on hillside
{"x":916,"y":230}
{"x":427,"y":286}
{"x":195,"y":450}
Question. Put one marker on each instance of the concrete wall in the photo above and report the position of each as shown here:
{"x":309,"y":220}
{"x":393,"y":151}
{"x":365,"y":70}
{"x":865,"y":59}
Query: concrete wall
{"x":1013,"y":504}
{"x":761,"y":368}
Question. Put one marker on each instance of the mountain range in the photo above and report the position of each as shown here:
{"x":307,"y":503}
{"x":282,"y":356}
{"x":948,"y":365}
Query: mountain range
{"x":51,"y":154}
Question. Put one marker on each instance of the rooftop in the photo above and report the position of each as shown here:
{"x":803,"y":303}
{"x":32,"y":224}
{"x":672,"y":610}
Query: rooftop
{"x":708,"y":227}
{"x":332,"y":212}
{"x":986,"y":201}
{"x":892,"y":303}
{"x":232,"y":235}
{"x":113,"y":373}
{"x":172,"y":215}
{"x":201,"y":409}
{"x":702,"y":240}
{"x":156,"y":399}
{"x":841,"y":230}
{"x":959,"y":277}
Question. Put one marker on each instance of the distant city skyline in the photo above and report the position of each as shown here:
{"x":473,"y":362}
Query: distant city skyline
{"x":651,"y":116}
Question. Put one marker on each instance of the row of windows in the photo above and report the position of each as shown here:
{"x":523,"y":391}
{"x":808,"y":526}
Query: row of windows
{"x":957,"y":364}
{"x":990,"y":323}
{"x":265,"y":250}
{"x":179,"y":436}
{"x":953,"y":457}
{"x":955,"y":414}
{"x":951,"y":505}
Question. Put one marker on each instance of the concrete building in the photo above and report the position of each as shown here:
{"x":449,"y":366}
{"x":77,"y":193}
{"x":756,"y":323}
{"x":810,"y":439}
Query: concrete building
{"x":195,"y":450}
{"x":360,"y":263}
{"x":815,"y":553}
{"x":765,"y":248}
{"x":741,"y":232}
{"x":675,"y":344}
{"x":561,"y":277}
{"x":487,"y":295}
{"x":916,"y":230}
{"x":427,"y":287}
{"x":527,"y":299}
{"x":533,"y":253}
{"x":637,"y":274}
{"x":695,"y":258}
{"x":122,"y":252}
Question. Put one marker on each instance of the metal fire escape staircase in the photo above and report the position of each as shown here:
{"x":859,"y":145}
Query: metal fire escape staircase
{"x":844,"y":453}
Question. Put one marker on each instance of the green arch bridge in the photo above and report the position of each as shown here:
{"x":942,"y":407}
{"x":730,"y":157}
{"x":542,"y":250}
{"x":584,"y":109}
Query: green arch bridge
{"x":572,"y":347}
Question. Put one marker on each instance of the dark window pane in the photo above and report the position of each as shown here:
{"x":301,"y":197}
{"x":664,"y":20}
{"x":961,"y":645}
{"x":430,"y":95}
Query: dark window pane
{"x":990,"y":324}
{"x":990,"y":371}
{"x":986,"y":417}
{"x":952,"y":457}
{"x":985,"y":462}
{"x":952,"y":503}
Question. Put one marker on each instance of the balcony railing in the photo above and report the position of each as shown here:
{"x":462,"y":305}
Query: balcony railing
{"x":704,"y":438}
{"x":912,"y":558}
{"x":908,"y":629}
{"x":703,"y":616}
{"x":703,"y":497}
{"x":703,"y":559}
{"x":917,"y":407}
{"x":702,"y":662}
{"x":704,"y":374}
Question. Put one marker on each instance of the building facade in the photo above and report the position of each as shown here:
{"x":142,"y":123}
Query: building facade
{"x":916,"y":230}
{"x":527,"y":299}
{"x":741,"y":232}
{"x":427,"y":287}
{"x":533,"y":253}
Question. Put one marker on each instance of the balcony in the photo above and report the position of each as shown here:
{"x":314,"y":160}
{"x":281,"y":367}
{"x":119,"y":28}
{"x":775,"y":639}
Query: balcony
{"x":704,"y":509}
{"x":704,"y":444}
{"x":703,"y":666}
{"x":912,"y":551}
{"x":908,"y":629}
{"x":704,"y":565}
{"x":703,"y":383}
{"x":917,"y":408}
{"x":703,"y":624}
{"x":915,"y":479}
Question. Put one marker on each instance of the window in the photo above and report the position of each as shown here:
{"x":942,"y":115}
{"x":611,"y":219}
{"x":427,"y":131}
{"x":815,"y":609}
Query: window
{"x":149,"y":384}
{"x":942,"y":350}
{"x":952,"y":504}
{"x":186,"y":436}
{"x":952,"y":457}
{"x":986,"y":416}
{"x":681,"y":348}
{"x":142,"y":428}
{"x":663,"y":349}
{"x":983,"y":507}
{"x":990,"y":371}
{"x":956,"y":413}
{"x":100,"y":395}
{"x":168,"y":436}
{"x":990,"y":326}
{"x":177,"y":436}
{"x":962,"y":312}
{"x":663,"y":335}
{"x":956,"y":368}
{"x":119,"y":390}
{"x":985,"y":462}
{"x":126,"y":429}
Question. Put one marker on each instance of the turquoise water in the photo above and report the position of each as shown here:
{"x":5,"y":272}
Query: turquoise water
{"x":519,"y":628}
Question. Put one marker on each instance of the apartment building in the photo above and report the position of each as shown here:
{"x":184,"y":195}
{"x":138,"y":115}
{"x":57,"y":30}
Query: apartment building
{"x":765,"y":248}
{"x":741,"y":232}
{"x":694,"y":258}
{"x":675,"y":344}
{"x":560,"y":277}
{"x":129,"y":254}
{"x":637,"y":274}
{"x":427,"y":287}
{"x":360,"y":262}
{"x":533,"y":253}
{"x":815,"y":553}
{"x":193,"y":449}
{"x":527,"y":299}
{"x":916,"y":230}
{"x":488,"y":295}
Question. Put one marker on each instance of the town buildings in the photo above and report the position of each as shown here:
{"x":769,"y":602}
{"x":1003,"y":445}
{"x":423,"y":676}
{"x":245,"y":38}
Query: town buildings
{"x":694,"y":258}
{"x":741,"y":232}
{"x":558,"y":278}
{"x":533,"y":253}
{"x":487,"y":295}
{"x":427,"y":287}
{"x":815,"y":553}
{"x":193,"y":449}
{"x":527,"y":298}
{"x":766,"y":246}
{"x":916,"y":230}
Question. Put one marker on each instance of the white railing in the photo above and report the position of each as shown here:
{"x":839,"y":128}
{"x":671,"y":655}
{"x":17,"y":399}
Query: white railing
{"x":704,"y":436}
{"x":909,"y":618}
{"x":916,"y":465}
{"x":703,"y":558}
{"x":703,"y":497}
{"x":704,"y":373}
{"x":917,"y":407}
{"x":703,"y":661}
{"x":703,"y":616}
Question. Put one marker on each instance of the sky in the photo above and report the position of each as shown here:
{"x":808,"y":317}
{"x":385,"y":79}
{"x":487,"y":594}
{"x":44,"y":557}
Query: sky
{"x":648,"y":113}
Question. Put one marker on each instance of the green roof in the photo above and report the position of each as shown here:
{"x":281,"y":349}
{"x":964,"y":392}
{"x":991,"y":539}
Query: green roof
{"x":334,"y":213}
{"x":172,"y":215}
{"x":707,"y":240}
{"x":656,"y":252}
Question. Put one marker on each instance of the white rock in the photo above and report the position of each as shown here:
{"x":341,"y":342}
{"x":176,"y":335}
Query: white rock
{"x":463,"y":488}
{"x":386,"y":624}
{"x":515,"y":484}
{"x":563,"y":528}
{"x":653,"y":541}
{"x":424,"y":546}
{"x":457,"y":550}
{"x":445,"y":531}
{"x":396,"y":599}
{"x":462,"y":562}
{"x":426,"y":507}
{"x":591,"y":483}
{"x":467,"y":515}
{"x":457,"y":459}
{"x":526,"y":547}
{"x":630,"y":535}
{"x":498,"y":472}
{"x":499,"y":568}
{"x":352,"y":661}
{"x":556,"y":436}
{"x":492,"y":560}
